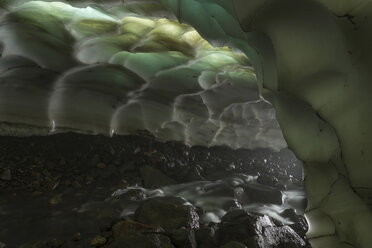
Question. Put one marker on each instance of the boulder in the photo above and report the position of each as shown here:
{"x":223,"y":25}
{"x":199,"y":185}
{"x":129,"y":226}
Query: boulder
{"x":268,"y":180}
{"x":205,"y":237}
{"x":300,"y":225}
{"x":263,"y":194}
{"x":126,"y":227}
{"x":135,"y":240}
{"x":182,"y":238}
{"x":168,"y":212}
{"x":256,"y":231}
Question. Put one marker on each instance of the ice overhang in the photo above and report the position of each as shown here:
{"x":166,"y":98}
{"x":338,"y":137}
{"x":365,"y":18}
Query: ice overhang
{"x":311,"y":61}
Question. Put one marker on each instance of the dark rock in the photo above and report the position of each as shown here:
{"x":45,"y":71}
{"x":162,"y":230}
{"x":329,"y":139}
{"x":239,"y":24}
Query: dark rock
{"x":54,"y":243}
{"x":300,"y":225}
{"x":182,"y":238}
{"x":134,"y":240}
{"x":263,"y":194}
{"x":268,"y":180}
{"x":168,"y":212}
{"x":98,"y":241}
{"x":256,"y":231}
{"x":37,"y":244}
{"x":134,"y":194}
{"x":233,"y":244}
{"x":176,"y":168}
{"x":205,"y":237}
{"x":76,"y":237}
{"x":154,"y":178}
{"x":6,"y":175}
{"x":2,"y":245}
{"x":123,"y":228}
{"x":231,"y":205}
{"x":194,"y":174}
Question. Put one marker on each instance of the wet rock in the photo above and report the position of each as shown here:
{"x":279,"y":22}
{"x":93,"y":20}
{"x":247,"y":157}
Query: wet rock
{"x":182,"y":238}
{"x":98,"y":241}
{"x":123,"y":228}
{"x":134,"y":194}
{"x":37,"y":244}
{"x":56,"y":200}
{"x":154,"y":178}
{"x":256,"y":231}
{"x":300,"y":225}
{"x":2,"y":245}
{"x":263,"y":194}
{"x":55,"y":243}
{"x":205,"y":237}
{"x":176,"y":168}
{"x":194,"y":174}
{"x":134,"y":240}
{"x":168,"y":212}
{"x":233,"y":244}
{"x":6,"y":175}
{"x":268,"y":180}
{"x":76,"y":237}
{"x":101,"y":165}
{"x":231,"y":205}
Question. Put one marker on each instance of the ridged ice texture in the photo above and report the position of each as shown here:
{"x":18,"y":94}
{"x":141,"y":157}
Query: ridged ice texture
{"x":119,"y":68}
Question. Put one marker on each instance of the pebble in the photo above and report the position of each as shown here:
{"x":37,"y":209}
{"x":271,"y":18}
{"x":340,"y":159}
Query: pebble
{"x":76,"y":237}
{"x":57,"y":199}
{"x":101,"y":165}
{"x":89,"y":179}
{"x":6,"y":175}
{"x":55,"y":243}
{"x":98,"y":241}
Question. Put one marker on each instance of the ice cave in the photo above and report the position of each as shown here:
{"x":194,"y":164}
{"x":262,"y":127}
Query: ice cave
{"x":185,"y":123}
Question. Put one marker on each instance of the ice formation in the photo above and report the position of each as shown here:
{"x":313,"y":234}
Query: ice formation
{"x":61,"y":68}
{"x":117,"y":69}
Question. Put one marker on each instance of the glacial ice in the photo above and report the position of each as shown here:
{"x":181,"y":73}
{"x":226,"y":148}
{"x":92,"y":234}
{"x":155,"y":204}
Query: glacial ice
{"x":110,"y":69}
{"x":310,"y":59}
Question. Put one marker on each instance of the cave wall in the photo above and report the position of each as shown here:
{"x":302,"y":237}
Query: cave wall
{"x":322,"y":99}
{"x":311,"y":60}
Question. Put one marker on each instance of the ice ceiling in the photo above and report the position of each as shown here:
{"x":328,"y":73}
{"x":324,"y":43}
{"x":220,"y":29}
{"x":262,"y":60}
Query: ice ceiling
{"x":120,"y":66}
{"x":115,"y":70}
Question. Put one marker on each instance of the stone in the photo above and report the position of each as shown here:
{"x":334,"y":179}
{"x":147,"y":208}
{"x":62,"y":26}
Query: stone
{"x":182,"y":238}
{"x":194,"y":175}
{"x":98,"y":241}
{"x":6,"y":175}
{"x":134,"y":194}
{"x":101,"y":165}
{"x":168,"y":212}
{"x":205,"y":237}
{"x":256,"y":230}
{"x":76,"y":237}
{"x":135,"y":240}
{"x":55,"y":243}
{"x":300,"y":225}
{"x":268,"y":180}
{"x":2,"y":245}
{"x":263,"y":194}
{"x":56,"y":200}
{"x":233,"y":244}
{"x":126,"y":227}
{"x":155,"y":178}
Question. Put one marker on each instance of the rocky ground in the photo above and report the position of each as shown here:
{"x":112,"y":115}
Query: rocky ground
{"x":74,"y":190}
